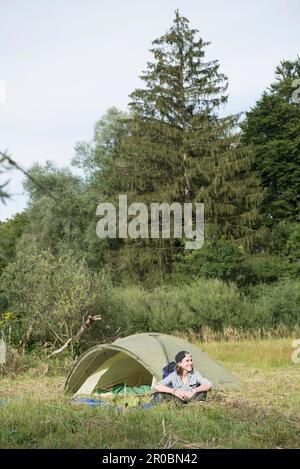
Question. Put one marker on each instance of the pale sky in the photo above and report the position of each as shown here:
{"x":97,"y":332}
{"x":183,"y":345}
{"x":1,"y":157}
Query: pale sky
{"x":64,"y":62}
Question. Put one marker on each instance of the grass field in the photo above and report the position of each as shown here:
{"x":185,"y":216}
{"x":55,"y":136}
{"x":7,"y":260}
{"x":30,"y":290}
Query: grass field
{"x":265,"y":413}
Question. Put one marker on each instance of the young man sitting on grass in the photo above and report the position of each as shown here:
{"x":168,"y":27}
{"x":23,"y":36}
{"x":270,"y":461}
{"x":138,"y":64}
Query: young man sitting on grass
{"x":184,"y":383}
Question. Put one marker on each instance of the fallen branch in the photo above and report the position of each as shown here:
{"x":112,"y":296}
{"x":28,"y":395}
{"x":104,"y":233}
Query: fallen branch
{"x":85,"y":325}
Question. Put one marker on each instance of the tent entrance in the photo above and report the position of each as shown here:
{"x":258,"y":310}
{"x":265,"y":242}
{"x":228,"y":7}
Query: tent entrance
{"x":118,"y":369}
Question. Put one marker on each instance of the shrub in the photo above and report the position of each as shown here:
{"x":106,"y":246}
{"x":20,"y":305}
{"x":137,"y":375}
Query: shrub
{"x":263,"y":268}
{"x":52,"y":294}
{"x":217,"y":259}
{"x":276,"y":305}
{"x":191,"y":309}
{"x":176,"y":309}
{"x":292,"y":247}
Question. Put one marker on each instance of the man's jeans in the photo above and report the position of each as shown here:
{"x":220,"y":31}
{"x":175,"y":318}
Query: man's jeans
{"x":164,"y":396}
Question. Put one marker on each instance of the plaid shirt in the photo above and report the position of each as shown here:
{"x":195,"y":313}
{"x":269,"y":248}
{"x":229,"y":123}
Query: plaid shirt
{"x":195,"y":379}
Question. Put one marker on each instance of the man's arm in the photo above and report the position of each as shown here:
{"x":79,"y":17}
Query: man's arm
{"x":165,"y":385}
{"x":163,"y":388}
{"x":203,"y":387}
{"x":205,"y":384}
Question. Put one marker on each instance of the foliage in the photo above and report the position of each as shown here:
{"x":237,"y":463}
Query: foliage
{"x":273,"y":127}
{"x":190,"y":308}
{"x":276,"y":305}
{"x":216,"y":259}
{"x":56,"y":293}
{"x":263,"y":268}
{"x":57,"y":212}
{"x":51,"y":293}
{"x":10,"y":232}
{"x":173,"y":147}
{"x":292,"y":247}
{"x":228,"y":261}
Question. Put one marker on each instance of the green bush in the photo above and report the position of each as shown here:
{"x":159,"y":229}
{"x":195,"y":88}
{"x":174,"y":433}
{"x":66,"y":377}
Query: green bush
{"x":276,"y":305}
{"x":57,"y":292}
{"x":211,"y":303}
{"x":216,"y":259}
{"x":51,"y":294}
{"x":176,"y":309}
{"x":284,"y":239}
{"x":226,"y":261}
{"x":263,"y":268}
{"x":204,"y":303}
{"x":292,"y":247}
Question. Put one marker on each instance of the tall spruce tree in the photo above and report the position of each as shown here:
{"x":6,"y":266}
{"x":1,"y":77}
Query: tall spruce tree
{"x":177,"y":149}
{"x":273,"y":128}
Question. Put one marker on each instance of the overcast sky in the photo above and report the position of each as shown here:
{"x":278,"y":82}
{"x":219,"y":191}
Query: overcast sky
{"x":64,"y":62}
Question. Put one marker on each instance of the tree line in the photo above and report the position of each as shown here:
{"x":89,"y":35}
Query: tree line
{"x":173,"y":144}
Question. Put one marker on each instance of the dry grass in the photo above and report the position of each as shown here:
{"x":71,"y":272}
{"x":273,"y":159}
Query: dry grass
{"x":233,"y":334}
{"x":24,"y":387}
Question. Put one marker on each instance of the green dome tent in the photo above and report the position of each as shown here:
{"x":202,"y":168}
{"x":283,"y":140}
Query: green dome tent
{"x":138,"y":360}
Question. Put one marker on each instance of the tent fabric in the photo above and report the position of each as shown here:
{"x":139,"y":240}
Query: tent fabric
{"x":138,"y":360}
{"x":122,"y":389}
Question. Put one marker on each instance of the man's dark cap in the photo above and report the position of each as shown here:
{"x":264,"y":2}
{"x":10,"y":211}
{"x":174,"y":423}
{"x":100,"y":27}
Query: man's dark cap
{"x":180,"y":356}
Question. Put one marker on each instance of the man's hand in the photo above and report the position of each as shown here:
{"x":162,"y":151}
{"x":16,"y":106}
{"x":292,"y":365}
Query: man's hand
{"x":184,"y":395}
{"x":189,"y":394}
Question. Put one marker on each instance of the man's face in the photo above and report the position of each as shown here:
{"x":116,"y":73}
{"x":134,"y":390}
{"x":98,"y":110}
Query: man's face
{"x":187,"y":363}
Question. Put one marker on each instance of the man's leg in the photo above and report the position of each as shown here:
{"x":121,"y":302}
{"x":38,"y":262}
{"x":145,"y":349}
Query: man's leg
{"x":200,"y":396}
{"x":166,"y":397}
